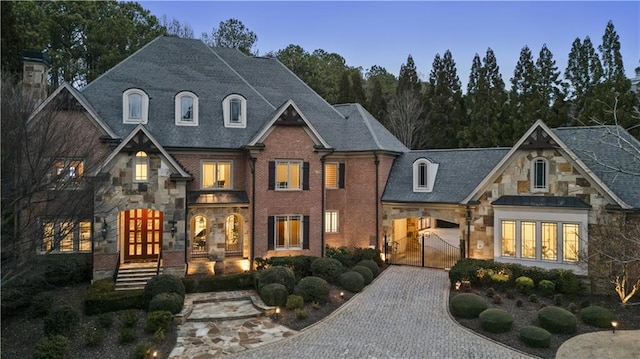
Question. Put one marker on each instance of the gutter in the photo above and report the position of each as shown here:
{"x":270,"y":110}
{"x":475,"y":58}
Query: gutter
{"x":377,"y":163}
{"x":322,"y":201}
{"x":253,"y":212}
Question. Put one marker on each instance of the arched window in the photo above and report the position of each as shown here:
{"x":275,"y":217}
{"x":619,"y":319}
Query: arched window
{"x":141,"y":167}
{"x":233,"y":235}
{"x":186,"y":105}
{"x":199,"y":233}
{"x":539,"y":175}
{"x":234,"y":109}
{"x":135,"y":106}
{"x":424,"y":175}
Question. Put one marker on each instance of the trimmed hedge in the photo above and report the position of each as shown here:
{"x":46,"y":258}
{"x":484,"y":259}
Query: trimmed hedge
{"x":163,"y":283}
{"x":597,"y":316}
{"x":468,"y":305}
{"x":547,"y":287}
{"x":467,"y":268}
{"x":372,"y":265}
{"x":557,"y":320}
{"x":365,"y":272}
{"x":103,"y":298}
{"x":496,"y":320}
{"x":352,"y":281}
{"x":225,"y":282}
{"x":277,"y":274}
{"x":524,"y":284}
{"x":161,"y":319}
{"x":328,"y":269}
{"x":300,"y":265}
{"x":274,"y":294}
{"x":535,"y":337}
{"x":170,"y":302}
{"x":350,"y":256}
{"x":294,"y":302}
{"x":313,"y":289}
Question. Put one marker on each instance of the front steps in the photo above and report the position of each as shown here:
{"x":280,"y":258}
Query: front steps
{"x":135,"y":275}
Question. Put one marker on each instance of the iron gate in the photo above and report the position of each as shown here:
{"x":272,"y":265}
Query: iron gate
{"x":428,"y":250}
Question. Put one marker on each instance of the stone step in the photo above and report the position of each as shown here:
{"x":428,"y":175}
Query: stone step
{"x":223,"y":310}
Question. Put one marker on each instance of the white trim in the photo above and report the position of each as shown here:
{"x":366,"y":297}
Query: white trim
{"x":226,"y":111}
{"x":140,"y":161}
{"x":432,"y":170}
{"x":215,"y":163}
{"x":533,"y":175}
{"x":178,"y":109}
{"x":279,"y":186}
{"x":287,"y":219}
{"x":331,"y":225}
{"x":144,"y":107}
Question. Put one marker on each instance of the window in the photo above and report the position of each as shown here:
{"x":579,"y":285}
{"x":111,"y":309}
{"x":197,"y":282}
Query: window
{"x":67,"y":171}
{"x":141,"y":167}
{"x":509,"y":238}
{"x":216,"y":175}
{"x":570,"y":240}
{"x":288,"y":232}
{"x":334,"y":175}
{"x":549,"y":245}
{"x":186,"y":104}
{"x":288,"y":175}
{"x":66,"y":237}
{"x":424,"y":223}
{"x":539,"y":175}
{"x":331,"y":221}
{"x":234,"y":110}
{"x":424,"y":175}
{"x":135,"y":106}
{"x":528,"y":239}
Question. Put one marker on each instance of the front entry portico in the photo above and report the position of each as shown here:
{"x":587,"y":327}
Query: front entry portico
{"x":142,"y":234}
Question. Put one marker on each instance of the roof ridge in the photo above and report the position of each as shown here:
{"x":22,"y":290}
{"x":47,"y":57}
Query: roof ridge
{"x":460,"y":149}
{"x":368,"y":124}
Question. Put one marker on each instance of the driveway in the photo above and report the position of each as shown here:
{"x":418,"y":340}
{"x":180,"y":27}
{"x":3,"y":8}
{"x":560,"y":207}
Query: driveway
{"x":402,"y":314}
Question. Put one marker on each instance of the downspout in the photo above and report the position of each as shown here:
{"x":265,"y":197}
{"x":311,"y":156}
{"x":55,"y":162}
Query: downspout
{"x":468,"y":239}
{"x":253,"y":212}
{"x":187,"y":243}
{"x":322,"y":202}
{"x":377,"y":163}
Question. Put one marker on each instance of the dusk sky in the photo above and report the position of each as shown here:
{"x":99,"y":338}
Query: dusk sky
{"x":385,"y":33}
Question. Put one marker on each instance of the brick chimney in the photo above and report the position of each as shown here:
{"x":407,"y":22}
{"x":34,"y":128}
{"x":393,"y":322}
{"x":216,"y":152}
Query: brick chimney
{"x":35,"y":75}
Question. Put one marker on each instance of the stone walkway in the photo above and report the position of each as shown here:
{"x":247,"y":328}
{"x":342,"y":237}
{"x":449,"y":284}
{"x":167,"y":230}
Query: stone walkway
{"x":402,"y":314}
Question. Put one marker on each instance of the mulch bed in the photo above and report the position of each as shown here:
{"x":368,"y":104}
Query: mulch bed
{"x":289,"y":319}
{"x":628,"y":318}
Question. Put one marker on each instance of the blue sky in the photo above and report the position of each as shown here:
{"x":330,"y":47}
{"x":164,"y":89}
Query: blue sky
{"x":370,"y":33}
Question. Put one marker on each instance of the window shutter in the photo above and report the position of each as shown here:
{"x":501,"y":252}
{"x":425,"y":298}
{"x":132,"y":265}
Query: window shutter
{"x":341,"y":176}
{"x":271,"y":234}
{"x":305,"y":175}
{"x":305,"y":232}
{"x":272,"y":175}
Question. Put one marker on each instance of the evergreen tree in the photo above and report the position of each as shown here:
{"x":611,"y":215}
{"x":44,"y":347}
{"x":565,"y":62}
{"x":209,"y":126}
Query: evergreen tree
{"x":525,"y":106}
{"x":408,"y":78}
{"x":444,"y":96}
{"x":344,"y":91}
{"x":612,"y":67}
{"x":377,"y":104}
{"x":583,"y":73}
{"x":548,"y":89}
{"x":357,"y":89}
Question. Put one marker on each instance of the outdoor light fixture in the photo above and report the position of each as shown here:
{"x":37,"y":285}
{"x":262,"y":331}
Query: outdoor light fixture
{"x":173,"y":229}
{"x":275,"y":316}
{"x":155,"y":354}
{"x":342,"y":295}
{"x":614,"y":325}
{"x":105,"y":229}
{"x":458,"y":284}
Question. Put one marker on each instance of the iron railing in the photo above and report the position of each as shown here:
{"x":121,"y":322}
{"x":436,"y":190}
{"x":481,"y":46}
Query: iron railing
{"x":428,"y":250}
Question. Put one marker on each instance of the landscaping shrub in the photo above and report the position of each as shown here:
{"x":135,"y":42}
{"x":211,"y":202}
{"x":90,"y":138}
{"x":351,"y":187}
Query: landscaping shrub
{"x":226,"y":282}
{"x":301,"y":313}
{"x":294,"y":302}
{"x":547,"y":287}
{"x":313,"y":289}
{"x":67,"y":269}
{"x":597,"y":316}
{"x":535,"y":273}
{"x":143,"y":351}
{"x":362,"y":254}
{"x":490,"y":292}
{"x":129,"y":318}
{"x":190,"y":285}
{"x":535,"y":337}
{"x":342,"y":254}
{"x":572,"y":307}
{"x":41,"y":304}
{"x":63,"y":320}
{"x":533,"y":298}
{"x":498,"y":275}
{"x":128,"y":335}
{"x":467,"y":268}
{"x":468,"y":305}
{"x":557,"y":320}
{"x":372,"y":265}
{"x":365,"y":272}
{"x":524,"y":284}
{"x":53,"y":347}
{"x":159,"y":335}
{"x":568,"y":283}
{"x":274,"y":294}
{"x":93,"y":336}
{"x":277,"y":274}
{"x":328,"y":269}
{"x":171,"y":302}
{"x":163,"y":283}
{"x":14,"y":301}
{"x":496,"y":320}
{"x":103,"y":302}
{"x":352,"y":281}
{"x":497,"y":299}
{"x":557,"y":300}
{"x":105,"y":320}
{"x":500,"y":279}
{"x":300,"y":265}
{"x":161,"y":319}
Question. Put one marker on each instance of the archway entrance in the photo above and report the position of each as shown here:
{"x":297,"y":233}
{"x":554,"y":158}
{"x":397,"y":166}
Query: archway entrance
{"x":233,"y":235}
{"x":142,"y":234}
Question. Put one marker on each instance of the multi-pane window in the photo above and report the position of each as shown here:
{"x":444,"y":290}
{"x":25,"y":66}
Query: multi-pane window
{"x":557,"y":241}
{"x":528,"y":239}
{"x":68,"y":171}
{"x":331,"y":221}
{"x":539,"y":177}
{"x":234,"y":110}
{"x":186,"y":104}
{"x":288,"y":175}
{"x":422,"y":175}
{"x":135,"y":105}
{"x":216,"y":174}
{"x":509,"y":238}
{"x":141,"y":167}
{"x":549,"y":245}
{"x":65,"y":237}
{"x":331,"y":175}
{"x":570,"y":240}
{"x":288,"y":232}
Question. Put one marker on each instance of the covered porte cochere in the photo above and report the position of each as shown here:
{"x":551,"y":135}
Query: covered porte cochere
{"x":424,"y":235}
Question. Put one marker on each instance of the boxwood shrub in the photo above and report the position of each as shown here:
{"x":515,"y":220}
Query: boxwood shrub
{"x":547,"y":287}
{"x":274,"y":294}
{"x":61,"y":321}
{"x":597,"y":316}
{"x":161,"y":319}
{"x":365,"y":272}
{"x":300,"y":265}
{"x":468,"y":305}
{"x":524,"y":284}
{"x":171,"y":302}
{"x":294,"y":301}
{"x":53,"y":347}
{"x":496,"y":320}
{"x":557,"y":320}
{"x":328,"y":269}
{"x":103,"y":298}
{"x":352,"y":281}
{"x":313,"y":289}
{"x":225,"y":282}
{"x":277,"y":274}
{"x":372,"y":265}
{"x":163,"y":283}
{"x":535,"y":337}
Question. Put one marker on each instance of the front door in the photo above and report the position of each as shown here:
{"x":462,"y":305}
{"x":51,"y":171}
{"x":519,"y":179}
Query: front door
{"x":143,"y":234}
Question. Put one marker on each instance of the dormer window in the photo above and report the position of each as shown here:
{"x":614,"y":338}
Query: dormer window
{"x":539,"y":174}
{"x":135,"y":106}
{"x":186,"y":104}
{"x":234,"y":109}
{"x":424,"y":175}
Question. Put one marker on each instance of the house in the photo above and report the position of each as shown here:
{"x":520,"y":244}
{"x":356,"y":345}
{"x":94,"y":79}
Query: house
{"x":202,"y":155}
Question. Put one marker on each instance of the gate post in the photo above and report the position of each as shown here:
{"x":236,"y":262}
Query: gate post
{"x":422,"y":250}
{"x":386,"y":255}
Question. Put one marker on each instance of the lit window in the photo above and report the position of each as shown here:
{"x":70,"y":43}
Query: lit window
{"x":216,"y":174}
{"x":331,"y":175}
{"x":549,"y":241}
{"x":509,"y":238}
{"x":528,"y":239}
{"x":288,"y":232}
{"x":186,"y":104}
{"x":424,"y":175}
{"x":135,"y":106}
{"x":68,"y":171}
{"x":570,"y":240}
{"x":331,"y":221}
{"x":288,"y":174}
{"x":141,"y":167}
{"x":234,"y":110}
{"x":66,"y":237}
{"x":539,"y":180}
{"x":85,"y":236}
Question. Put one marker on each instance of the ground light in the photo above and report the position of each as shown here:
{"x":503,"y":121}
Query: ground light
{"x":614,"y":325}
{"x":275,"y":316}
{"x":341,"y":295}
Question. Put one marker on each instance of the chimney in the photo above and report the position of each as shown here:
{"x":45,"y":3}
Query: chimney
{"x":35,"y":75}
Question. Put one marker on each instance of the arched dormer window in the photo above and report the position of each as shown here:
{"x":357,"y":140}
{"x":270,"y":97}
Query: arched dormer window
{"x":141,"y":167}
{"x":135,"y":106}
{"x":539,"y":175}
{"x":186,"y":105}
{"x":234,"y":109}
{"x":424,"y":175}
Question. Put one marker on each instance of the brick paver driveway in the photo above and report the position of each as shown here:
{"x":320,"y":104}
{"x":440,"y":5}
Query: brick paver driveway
{"x":402,"y":314}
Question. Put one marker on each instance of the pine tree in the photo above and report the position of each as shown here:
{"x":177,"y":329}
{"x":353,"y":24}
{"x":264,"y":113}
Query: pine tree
{"x":357,"y":89}
{"x":377,"y":104}
{"x":583,"y":73}
{"x":444,"y":96}
{"x":408,"y":78}
{"x":548,"y":89}
{"x":525,"y":106}
{"x":344,"y":90}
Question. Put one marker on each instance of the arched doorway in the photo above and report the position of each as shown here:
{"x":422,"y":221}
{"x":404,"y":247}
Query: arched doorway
{"x":199,"y":245}
{"x":142,"y":234}
{"x":233,"y":235}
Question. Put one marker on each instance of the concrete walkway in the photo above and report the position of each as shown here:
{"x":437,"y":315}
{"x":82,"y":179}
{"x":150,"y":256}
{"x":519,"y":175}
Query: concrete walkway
{"x":623,"y":344}
{"x":402,"y":314}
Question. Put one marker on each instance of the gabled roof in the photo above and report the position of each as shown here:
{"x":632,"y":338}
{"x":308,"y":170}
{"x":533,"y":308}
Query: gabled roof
{"x":459,"y":171}
{"x":169,"y":65}
{"x":361,"y":131}
{"x":109,"y":161}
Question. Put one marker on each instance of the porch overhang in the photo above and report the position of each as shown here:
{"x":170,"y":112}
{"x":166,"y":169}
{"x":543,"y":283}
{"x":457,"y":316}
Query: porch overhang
{"x":208,"y":198}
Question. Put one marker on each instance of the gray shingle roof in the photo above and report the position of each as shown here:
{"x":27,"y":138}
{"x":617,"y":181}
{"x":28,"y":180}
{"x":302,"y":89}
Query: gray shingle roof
{"x":459,"y":172}
{"x":169,"y":65}
{"x":611,"y":153}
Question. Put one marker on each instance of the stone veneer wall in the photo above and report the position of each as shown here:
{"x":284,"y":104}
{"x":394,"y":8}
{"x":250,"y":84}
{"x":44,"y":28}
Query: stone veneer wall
{"x":216,"y":217}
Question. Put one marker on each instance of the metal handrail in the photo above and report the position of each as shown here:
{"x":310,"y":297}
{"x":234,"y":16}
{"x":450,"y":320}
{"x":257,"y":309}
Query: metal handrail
{"x":158,"y":265}
{"x":115,"y":274}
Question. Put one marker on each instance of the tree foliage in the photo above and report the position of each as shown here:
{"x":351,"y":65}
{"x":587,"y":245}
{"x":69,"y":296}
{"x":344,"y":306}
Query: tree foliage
{"x":234,"y":34}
